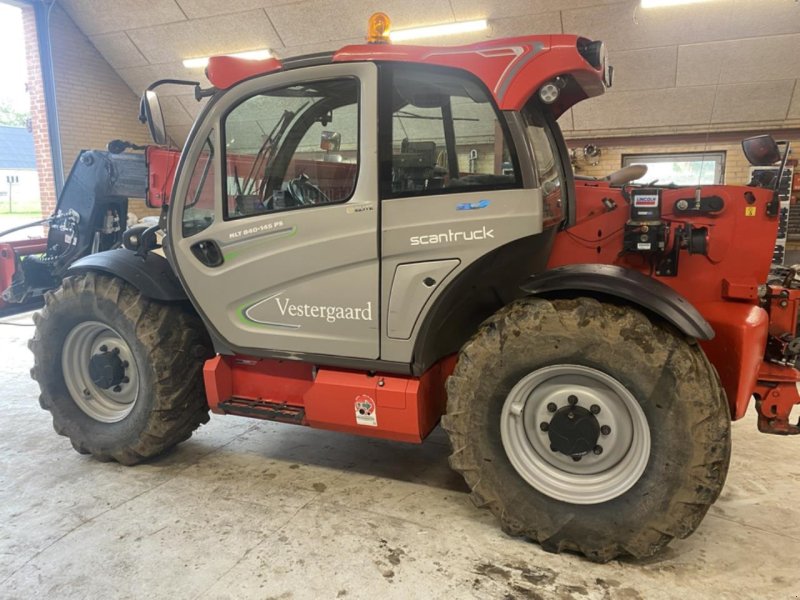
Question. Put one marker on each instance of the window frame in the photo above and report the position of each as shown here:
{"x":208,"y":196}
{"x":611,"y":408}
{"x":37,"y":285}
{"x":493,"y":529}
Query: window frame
{"x":224,"y":153}
{"x":209,"y":169}
{"x":717,"y":156}
{"x":386,"y":136}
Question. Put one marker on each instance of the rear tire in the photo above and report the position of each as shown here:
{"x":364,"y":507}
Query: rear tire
{"x":678,"y":392}
{"x":152,"y":354}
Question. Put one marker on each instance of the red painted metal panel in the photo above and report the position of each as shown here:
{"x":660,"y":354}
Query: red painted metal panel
{"x":217,"y":378}
{"x":396,"y":407}
{"x":720,"y":284}
{"x":226,"y":71}
{"x":512,"y":68}
{"x":737,"y":350}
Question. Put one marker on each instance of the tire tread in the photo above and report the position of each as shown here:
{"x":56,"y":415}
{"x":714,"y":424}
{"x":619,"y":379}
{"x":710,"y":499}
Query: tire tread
{"x":710,"y":462}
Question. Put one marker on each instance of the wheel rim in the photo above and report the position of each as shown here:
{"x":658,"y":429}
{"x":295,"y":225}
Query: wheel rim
{"x":100,"y":372}
{"x":596,"y":454}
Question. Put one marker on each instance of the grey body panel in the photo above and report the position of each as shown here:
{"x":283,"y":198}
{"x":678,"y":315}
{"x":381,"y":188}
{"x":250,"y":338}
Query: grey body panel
{"x":412,"y":287}
{"x":151,"y":275}
{"x":431,"y":228}
{"x":626,"y":284}
{"x":285,"y":271}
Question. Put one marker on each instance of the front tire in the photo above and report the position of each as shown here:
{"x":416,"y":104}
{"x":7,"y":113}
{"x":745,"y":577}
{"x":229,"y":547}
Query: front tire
{"x":584,"y":426}
{"x":120,"y":374}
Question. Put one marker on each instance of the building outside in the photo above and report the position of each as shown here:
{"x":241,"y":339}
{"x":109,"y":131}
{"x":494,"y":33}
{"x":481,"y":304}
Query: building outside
{"x":19,"y":181}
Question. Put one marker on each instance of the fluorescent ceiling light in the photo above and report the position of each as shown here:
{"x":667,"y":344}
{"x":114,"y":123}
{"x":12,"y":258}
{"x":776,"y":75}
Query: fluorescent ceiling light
{"x":402,"y":35}
{"x":200,"y":63}
{"x":660,"y":3}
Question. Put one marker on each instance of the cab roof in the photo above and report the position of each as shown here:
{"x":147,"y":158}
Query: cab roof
{"x":513,"y":69}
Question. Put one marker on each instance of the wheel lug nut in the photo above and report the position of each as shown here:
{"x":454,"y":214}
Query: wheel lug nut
{"x":117,"y":388}
{"x":576,"y":457}
{"x":553,"y":448}
{"x":598,"y":450}
{"x":115,"y":351}
{"x":544,"y":426}
{"x":103,"y":348}
{"x":125,"y":380}
{"x":125,"y":364}
{"x":552,"y":407}
{"x":605,"y":430}
{"x":595,"y":409}
{"x":573,"y":400}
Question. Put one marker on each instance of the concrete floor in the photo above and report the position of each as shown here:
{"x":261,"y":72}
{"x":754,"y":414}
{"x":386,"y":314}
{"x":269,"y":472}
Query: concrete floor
{"x":248,"y":509}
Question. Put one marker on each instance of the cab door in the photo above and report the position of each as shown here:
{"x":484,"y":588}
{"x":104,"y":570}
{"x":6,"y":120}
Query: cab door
{"x":462,"y":214}
{"x":274,"y":223}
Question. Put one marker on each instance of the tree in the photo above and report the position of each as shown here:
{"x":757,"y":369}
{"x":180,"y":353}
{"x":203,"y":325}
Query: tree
{"x":11,"y":116}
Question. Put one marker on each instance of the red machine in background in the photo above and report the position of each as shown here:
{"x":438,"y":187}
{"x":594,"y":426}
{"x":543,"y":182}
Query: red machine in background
{"x":91,"y":216}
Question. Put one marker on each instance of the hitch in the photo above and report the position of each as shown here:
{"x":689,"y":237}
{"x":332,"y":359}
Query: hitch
{"x":776,"y":395}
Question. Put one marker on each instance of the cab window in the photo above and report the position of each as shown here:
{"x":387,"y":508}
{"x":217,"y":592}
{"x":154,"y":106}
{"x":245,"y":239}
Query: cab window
{"x":549,"y":171}
{"x":292,"y":147}
{"x":446,"y":135}
{"x":198,"y":208}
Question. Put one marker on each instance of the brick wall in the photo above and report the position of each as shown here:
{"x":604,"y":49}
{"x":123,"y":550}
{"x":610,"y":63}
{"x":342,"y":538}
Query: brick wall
{"x":41,"y":138}
{"x":94,"y":105}
{"x":736,"y":172}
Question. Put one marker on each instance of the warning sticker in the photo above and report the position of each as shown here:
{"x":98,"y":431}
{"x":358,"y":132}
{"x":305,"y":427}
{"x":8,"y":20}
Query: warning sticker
{"x":366,"y":411}
{"x":749,"y":211}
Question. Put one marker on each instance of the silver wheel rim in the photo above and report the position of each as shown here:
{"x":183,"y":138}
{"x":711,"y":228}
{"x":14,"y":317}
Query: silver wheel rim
{"x":594,"y":477}
{"x":107,"y":405}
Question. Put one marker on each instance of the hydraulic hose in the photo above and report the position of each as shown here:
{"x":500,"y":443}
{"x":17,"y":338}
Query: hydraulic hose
{"x":26,"y":226}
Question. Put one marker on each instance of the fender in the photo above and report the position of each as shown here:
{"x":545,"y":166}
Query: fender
{"x":151,"y":275}
{"x":626,"y":284}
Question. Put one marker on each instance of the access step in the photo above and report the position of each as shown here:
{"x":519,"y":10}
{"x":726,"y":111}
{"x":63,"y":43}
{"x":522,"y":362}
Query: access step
{"x":263,"y":409}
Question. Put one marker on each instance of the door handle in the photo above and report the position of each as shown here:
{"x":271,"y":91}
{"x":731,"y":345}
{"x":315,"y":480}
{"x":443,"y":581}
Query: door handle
{"x":208,"y":253}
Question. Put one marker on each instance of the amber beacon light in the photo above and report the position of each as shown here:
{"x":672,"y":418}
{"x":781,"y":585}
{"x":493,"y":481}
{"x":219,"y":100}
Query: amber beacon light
{"x":379,"y":27}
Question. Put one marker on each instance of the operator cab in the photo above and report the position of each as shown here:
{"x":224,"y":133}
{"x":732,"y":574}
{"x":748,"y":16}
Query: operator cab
{"x":376,"y":203}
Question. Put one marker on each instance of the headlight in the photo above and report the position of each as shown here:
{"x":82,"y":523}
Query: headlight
{"x":595,"y":53}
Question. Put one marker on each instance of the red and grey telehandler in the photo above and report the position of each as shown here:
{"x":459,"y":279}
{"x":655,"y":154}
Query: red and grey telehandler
{"x":379,"y":238}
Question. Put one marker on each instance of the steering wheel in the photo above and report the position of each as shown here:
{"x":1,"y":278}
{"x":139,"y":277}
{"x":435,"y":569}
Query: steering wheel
{"x":305,"y":192}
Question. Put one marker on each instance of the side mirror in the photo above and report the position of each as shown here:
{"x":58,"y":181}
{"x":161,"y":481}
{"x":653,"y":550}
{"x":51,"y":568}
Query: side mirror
{"x":761,"y":150}
{"x":150,"y":113}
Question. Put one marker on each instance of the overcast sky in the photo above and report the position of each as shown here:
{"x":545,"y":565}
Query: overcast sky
{"x":12,"y":65}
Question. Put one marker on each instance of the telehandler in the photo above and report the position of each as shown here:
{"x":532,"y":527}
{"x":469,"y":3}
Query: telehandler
{"x":378,"y":238}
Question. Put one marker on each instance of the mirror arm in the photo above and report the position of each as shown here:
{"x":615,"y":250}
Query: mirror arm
{"x":161,"y":82}
{"x":200,"y":93}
